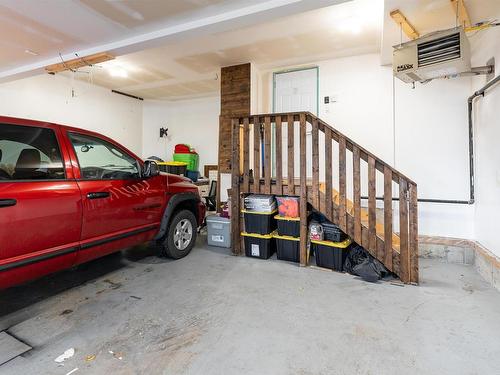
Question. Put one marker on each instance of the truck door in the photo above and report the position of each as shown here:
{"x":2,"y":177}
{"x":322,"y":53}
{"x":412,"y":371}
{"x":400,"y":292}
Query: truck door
{"x":40,"y":204}
{"x":120,"y":208}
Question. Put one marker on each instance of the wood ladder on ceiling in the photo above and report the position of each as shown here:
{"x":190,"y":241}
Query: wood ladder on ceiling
{"x":370,"y":226}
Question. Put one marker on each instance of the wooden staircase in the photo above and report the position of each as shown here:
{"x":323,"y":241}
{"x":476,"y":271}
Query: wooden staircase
{"x":398,"y":252}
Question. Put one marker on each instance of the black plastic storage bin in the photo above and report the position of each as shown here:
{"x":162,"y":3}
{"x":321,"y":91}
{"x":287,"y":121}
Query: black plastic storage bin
{"x":259,"y":222}
{"x":331,"y":232}
{"x":173,"y":167}
{"x":259,"y":245}
{"x":288,"y":226}
{"x":330,"y":254}
{"x":287,"y":248}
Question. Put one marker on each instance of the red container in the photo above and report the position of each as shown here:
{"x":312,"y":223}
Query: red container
{"x":288,"y":206}
{"x":182,"y":149}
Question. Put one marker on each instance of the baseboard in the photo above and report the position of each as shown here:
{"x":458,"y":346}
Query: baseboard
{"x":462,"y":251}
{"x":447,"y":249}
{"x":488,"y":265}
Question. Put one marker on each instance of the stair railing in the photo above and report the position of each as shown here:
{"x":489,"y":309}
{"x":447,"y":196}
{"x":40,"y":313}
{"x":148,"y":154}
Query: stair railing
{"x":252,"y":172}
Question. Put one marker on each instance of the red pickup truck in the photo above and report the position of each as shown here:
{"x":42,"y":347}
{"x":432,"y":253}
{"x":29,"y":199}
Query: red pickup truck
{"x":68,"y":196}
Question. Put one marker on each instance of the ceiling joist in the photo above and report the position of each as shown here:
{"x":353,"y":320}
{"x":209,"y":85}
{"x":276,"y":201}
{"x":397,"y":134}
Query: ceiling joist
{"x":79,"y":62}
{"x":461,"y":13}
{"x":407,"y":27}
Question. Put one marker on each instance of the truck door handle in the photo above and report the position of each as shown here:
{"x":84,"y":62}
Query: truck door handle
{"x":7,"y":202}
{"x":98,"y":195}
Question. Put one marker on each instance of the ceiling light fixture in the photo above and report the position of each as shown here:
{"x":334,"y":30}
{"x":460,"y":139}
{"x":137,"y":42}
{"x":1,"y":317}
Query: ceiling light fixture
{"x":350,"y":24}
{"x":30,"y":52}
{"x":117,"y":71}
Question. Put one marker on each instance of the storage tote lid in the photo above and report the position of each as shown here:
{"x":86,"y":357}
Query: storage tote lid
{"x":174,"y":163}
{"x":256,"y":235}
{"x":340,"y":245}
{"x":217,"y":219}
{"x":259,"y":213}
{"x":278,"y":217}
{"x":288,"y":238}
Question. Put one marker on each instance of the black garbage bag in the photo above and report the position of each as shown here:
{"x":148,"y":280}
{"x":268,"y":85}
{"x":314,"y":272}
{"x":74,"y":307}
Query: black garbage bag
{"x":360,"y":263}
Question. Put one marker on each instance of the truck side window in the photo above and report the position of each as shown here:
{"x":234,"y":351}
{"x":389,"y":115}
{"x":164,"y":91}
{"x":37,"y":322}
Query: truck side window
{"x":29,"y":153}
{"x":101,"y":160}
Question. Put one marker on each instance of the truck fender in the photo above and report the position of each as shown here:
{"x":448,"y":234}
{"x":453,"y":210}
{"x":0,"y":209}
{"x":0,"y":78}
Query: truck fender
{"x":172,"y":204}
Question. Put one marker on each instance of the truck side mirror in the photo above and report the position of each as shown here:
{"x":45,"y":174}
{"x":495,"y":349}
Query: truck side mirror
{"x":150,"y":169}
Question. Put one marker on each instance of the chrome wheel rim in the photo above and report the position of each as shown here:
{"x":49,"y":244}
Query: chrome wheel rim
{"x":183,"y":234}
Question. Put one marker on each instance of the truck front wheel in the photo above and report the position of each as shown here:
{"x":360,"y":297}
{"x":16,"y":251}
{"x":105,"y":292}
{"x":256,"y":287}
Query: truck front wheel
{"x":181,"y":235}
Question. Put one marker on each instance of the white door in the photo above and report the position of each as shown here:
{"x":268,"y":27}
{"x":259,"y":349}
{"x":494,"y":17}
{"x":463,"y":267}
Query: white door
{"x":295,"y":91}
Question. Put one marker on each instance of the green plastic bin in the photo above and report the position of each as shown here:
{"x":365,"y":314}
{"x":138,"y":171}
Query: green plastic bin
{"x":192,"y":160}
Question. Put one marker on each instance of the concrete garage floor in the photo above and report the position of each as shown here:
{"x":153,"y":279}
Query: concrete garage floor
{"x":212,"y":313}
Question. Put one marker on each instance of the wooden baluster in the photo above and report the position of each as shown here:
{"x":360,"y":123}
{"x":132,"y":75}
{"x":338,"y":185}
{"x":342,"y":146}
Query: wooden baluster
{"x":246,"y":156}
{"x":403,"y":231}
{"x":267,"y":155}
{"x":256,"y":155}
{"x":303,"y":191}
{"x":279,"y":156}
{"x":235,"y":188}
{"x":356,"y":171}
{"x":315,"y":164}
{"x":372,"y":205}
{"x":291,"y":160}
{"x":413,"y":234}
{"x":342,"y":184}
{"x":388,"y":217}
{"x":328,"y":174}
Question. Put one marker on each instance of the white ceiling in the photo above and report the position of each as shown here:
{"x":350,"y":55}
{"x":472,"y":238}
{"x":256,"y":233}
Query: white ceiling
{"x":47,"y":28}
{"x":174,"y":49}
{"x":189,"y":67}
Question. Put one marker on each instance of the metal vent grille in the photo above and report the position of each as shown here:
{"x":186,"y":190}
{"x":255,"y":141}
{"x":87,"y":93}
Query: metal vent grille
{"x":439,"y":50}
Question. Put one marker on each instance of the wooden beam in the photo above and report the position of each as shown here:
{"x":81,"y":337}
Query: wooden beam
{"x":461,"y":12}
{"x":79,"y":62}
{"x":407,"y":27}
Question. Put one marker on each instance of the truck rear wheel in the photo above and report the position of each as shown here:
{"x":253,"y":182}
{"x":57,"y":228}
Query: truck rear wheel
{"x":181,"y":235}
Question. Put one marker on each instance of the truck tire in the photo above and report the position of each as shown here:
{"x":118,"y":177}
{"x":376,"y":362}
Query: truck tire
{"x":181,"y":235}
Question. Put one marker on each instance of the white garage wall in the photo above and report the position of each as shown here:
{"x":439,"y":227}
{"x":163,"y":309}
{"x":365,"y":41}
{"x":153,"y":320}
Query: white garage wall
{"x":487,"y":145}
{"x":429,"y":145}
{"x":49,"y":98}
{"x":194,"y":121}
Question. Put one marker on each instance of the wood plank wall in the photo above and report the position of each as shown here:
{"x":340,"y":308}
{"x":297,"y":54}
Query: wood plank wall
{"x":234,"y":102}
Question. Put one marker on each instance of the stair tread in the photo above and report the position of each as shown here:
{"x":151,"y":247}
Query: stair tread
{"x":350,"y":210}
{"x":379,"y":227}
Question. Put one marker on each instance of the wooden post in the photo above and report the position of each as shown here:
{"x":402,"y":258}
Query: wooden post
{"x":267,"y":155}
{"x":328,"y":174}
{"x":388,"y":217}
{"x":356,"y":194}
{"x":279,"y":156}
{"x":413,"y":234}
{"x":303,"y":192}
{"x":291,"y":156}
{"x":246,"y":156}
{"x":372,"y":206}
{"x":342,"y":185}
{"x":256,"y":155}
{"x":235,"y":189}
{"x":404,"y":258}
{"x":315,"y":164}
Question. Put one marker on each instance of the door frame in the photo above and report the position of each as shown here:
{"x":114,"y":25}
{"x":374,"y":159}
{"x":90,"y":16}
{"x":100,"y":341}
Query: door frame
{"x":292,"y":71}
{"x":273,"y":126}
